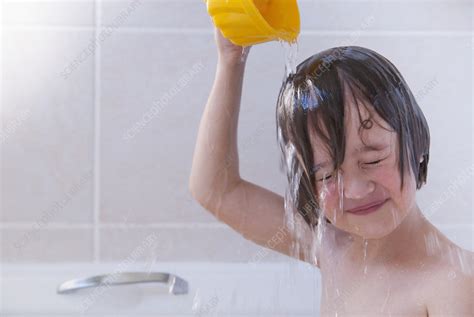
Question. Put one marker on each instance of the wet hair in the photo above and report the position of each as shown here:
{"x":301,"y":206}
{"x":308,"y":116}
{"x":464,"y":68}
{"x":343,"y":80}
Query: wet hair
{"x":312,"y":100}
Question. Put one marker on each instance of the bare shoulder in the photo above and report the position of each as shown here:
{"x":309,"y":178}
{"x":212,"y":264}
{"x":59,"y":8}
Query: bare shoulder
{"x":451,"y":286}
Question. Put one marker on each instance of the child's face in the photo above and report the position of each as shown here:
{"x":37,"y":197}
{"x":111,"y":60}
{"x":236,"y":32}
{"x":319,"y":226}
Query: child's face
{"x":362,"y":183}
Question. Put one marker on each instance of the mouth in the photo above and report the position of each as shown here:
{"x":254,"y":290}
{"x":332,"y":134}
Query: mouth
{"x":367,"y":209}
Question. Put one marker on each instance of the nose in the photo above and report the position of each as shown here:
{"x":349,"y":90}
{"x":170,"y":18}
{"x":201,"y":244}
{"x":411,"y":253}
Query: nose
{"x":356,"y":185}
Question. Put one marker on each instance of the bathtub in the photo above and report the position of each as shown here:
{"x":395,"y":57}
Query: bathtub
{"x":213,"y":289}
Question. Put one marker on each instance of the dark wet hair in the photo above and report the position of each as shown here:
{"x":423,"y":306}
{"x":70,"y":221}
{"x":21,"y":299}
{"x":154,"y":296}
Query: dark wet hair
{"x":315,"y":93}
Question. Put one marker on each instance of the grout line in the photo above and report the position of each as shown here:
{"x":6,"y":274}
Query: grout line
{"x":145,"y":29}
{"x":387,"y":33}
{"x":45,"y":27}
{"x":209,"y":31}
{"x":34,"y":226}
{"x":170,"y":225}
{"x":62,"y":225}
{"x":165,"y":30}
{"x":1,"y":131}
{"x":165,"y":225}
{"x":97,"y":95}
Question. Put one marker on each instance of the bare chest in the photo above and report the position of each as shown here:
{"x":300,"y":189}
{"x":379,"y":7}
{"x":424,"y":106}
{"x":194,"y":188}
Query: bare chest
{"x":370,"y":294}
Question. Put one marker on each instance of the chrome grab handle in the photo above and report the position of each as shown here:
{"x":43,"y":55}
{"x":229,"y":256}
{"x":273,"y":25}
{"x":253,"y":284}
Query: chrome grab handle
{"x":173,"y":283}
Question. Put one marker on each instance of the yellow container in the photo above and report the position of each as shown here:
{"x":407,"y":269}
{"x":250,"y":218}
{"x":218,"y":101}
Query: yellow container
{"x":249,"y":22}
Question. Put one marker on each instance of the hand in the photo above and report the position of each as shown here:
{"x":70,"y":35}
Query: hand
{"x":228,"y":51}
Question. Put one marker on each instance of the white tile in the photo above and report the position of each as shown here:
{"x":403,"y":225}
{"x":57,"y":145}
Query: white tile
{"x":386,"y":15}
{"x":41,"y":244}
{"x":155,"y":14}
{"x":182,"y":244}
{"x":47,"y":128}
{"x":145,"y":173}
{"x":70,"y":13}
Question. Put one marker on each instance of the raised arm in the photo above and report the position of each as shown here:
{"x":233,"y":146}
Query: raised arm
{"x":255,"y":212}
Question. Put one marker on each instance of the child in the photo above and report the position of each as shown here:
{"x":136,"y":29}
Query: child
{"x":357,"y":148}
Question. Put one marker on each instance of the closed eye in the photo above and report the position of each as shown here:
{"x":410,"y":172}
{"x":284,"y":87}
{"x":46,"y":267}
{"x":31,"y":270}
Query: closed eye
{"x":325,"y":178}
{"x":374,"y":162}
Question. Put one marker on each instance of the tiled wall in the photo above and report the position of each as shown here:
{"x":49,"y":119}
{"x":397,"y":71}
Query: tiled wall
{"x":88,"y":171}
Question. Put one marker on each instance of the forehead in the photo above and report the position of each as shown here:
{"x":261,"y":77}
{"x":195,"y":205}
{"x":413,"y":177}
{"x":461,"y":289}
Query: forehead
{"x":363,"y":126}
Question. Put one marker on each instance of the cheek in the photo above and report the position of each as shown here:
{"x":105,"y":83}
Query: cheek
{"x":387,"y":177}
{"x":390,"y":178}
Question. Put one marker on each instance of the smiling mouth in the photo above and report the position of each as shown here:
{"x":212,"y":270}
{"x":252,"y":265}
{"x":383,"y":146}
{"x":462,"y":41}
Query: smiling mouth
{"x":369,"y":209}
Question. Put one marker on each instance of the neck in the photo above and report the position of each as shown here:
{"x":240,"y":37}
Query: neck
{"x":402,"y":245}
